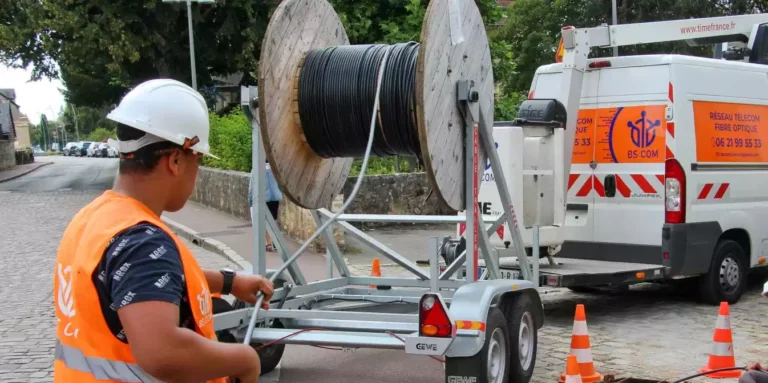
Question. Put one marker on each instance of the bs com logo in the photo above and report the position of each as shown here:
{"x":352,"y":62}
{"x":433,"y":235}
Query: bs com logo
{"x":637,"y":134}
{"x":644,"y":133}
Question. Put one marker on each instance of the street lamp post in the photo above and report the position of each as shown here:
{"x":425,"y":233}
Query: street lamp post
{"x":191,"y":36}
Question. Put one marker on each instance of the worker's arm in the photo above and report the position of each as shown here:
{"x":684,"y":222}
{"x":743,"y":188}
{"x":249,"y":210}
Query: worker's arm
{"x":175,"y":354}
{"x":245,"y":287}
{"x":143,"y":276}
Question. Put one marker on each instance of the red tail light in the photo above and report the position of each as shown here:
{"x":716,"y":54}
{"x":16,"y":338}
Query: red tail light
{"x":433,"y":317}
{"x":599,"y":64}
{"x":674,"y":193}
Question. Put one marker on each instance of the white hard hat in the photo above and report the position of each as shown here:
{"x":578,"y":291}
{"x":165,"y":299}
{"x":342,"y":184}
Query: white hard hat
{"x":167,"y":110}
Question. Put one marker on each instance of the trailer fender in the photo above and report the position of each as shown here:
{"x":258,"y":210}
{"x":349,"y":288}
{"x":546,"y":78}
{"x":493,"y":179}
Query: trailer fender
{"x":469,"y":311}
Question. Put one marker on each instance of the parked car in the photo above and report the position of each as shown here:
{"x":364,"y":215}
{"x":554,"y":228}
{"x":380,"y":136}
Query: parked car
{"x":84,"y":149}
{"x":93,"y":149}
{"x":70,"y":148}
{"x":104,"y":150}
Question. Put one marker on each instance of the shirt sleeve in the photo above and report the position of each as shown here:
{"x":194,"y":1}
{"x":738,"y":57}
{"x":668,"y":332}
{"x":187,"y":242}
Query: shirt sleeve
{"x":143,"y":264}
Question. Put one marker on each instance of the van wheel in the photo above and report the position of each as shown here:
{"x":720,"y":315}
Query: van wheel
{"x":491,"y":363}
{"x":727,"y":277}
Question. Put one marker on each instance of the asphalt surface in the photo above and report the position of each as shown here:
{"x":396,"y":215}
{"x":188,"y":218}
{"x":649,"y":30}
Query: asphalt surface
{"x":66,"y":173}
{"x":650,"y":331}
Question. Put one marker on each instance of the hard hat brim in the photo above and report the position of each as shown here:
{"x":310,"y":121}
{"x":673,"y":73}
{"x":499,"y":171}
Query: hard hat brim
{"x":133,"y":124}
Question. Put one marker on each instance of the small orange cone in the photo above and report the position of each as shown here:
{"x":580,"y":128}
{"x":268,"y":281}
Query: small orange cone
{"x":722,"y":347}
{"x":572,"y":374}
{"x":581,"y":348}
{"x":375,"y":270}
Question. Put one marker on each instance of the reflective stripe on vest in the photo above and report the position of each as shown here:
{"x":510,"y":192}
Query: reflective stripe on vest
{"x":101,"y":368}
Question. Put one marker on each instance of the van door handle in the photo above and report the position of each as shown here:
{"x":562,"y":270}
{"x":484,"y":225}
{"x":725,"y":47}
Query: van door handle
{"x":610,"y":186}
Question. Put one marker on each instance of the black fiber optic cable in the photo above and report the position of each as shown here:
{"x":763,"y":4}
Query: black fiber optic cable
{"x":337,"y":90}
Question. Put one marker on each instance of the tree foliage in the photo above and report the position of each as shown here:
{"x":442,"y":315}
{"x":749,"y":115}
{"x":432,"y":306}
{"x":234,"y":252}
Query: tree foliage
{"x":101,"y":135}
{"x":387,"y":22}
{"x":532,"y":27}
{"x":89,"y":119}
{"x":104,"y":47}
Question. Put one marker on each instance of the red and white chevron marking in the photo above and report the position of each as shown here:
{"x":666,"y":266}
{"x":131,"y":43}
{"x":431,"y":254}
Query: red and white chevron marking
{"x":714,"y":191}
{"x":583,"y":185}
{"x":670,"y":139}
{"x":629,"y":184}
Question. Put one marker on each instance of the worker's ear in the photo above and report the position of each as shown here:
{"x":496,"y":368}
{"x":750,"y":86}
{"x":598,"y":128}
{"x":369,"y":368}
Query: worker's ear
{"x":175,"y":162}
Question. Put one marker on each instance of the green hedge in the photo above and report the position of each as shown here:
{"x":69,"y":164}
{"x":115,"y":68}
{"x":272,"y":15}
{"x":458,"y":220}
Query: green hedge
{"x":230,"y":141}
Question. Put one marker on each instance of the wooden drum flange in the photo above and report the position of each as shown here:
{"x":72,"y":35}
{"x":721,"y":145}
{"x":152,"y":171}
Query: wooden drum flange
{"x":299,"y":26}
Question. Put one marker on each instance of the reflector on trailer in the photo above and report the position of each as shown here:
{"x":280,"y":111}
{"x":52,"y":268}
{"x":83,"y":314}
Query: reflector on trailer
{"x":433,"y":317}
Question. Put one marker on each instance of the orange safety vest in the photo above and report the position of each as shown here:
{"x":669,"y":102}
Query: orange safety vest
{"x":86,"y":350}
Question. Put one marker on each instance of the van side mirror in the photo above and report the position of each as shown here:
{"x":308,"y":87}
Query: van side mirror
{"x":759,"y":51}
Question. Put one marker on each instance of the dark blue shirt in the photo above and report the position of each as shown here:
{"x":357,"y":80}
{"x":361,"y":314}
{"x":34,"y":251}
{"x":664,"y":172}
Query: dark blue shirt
{"x":141,"y":264}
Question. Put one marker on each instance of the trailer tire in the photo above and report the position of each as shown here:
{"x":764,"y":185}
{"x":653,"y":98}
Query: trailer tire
{"x":523,"y":339}
{"x":727,"y":276}
{"x":491,"y":363}
{"x":270,"y":356}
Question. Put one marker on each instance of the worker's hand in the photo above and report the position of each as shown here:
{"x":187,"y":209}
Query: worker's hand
{"x":754,"y":366}
{"x":246,"y":287}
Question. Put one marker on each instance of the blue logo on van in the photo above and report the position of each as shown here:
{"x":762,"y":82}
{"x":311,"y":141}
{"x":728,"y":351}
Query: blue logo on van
{"x":643,"y":131}
{"x":488,"y":162}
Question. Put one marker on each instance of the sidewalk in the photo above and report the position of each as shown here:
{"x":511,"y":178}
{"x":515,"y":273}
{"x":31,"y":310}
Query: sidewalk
{"x":237,"y":235}
{"x":232,"y":237}
{"x":20,"y":170}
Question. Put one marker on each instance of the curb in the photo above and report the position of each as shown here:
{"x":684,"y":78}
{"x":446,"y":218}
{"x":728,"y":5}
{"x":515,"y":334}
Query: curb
{"x":26,"y":172}
{"x":209,"y":244}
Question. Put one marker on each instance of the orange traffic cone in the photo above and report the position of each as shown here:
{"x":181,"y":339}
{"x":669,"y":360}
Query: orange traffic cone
{"x":722,"y":347}
{"x":572,"y":374}
{"x":375,"y":270}
{"x":581,"y":348}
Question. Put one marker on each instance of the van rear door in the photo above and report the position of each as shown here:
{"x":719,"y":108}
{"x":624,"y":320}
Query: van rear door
{"x":630,"y":150}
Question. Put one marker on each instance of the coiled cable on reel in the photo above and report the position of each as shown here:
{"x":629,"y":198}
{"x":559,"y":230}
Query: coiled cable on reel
{"x":336,"y":94}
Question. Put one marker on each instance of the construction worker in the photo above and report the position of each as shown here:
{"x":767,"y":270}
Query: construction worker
{"x":132,"y":303}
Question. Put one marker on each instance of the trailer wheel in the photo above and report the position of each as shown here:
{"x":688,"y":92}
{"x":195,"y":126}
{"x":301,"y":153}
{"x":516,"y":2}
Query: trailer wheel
{"x":727,"y":276}
{"x":270,"y":356}
{"x":523,"y":339}
{"x":491,"y":363}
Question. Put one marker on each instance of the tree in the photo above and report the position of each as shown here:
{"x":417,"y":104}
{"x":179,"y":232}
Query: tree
{"x":388,"y":22}
{"x":88,"y":120}
{"x":104,"y":47}
{"x":532,"y":27}
{"x":101,"y":134}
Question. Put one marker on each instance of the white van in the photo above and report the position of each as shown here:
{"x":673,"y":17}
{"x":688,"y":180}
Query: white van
{"x":670,"y":167}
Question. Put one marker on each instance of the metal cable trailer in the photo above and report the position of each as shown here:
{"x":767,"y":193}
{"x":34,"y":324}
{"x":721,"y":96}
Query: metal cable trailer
{"x":482,"y":327}
{"x":477,"y":322}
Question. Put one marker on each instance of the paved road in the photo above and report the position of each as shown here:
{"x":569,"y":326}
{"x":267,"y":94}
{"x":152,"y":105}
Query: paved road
{"x":67,"y":173}
{"x":648,"y":332}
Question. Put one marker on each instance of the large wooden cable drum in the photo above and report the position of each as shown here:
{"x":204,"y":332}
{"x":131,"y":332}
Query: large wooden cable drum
{"x":299,"y":27}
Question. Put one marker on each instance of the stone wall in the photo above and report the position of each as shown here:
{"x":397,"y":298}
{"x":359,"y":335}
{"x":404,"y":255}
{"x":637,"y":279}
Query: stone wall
{"x":227,"y":191}
{"x":406,"y":193}
{"x":7,"y":155}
